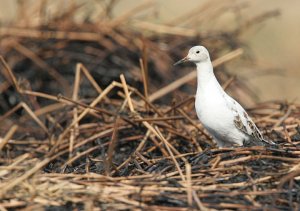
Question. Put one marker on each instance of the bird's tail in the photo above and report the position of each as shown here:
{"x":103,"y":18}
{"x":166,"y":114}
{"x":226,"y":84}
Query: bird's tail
{"x":258,"y":142}
{"x":268,"y":142}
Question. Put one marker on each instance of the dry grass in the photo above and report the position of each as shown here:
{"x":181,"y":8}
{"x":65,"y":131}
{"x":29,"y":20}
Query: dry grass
{"x":104,"y":145}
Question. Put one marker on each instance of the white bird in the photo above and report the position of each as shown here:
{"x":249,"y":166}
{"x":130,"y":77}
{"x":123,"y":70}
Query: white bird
{"x":224,"y":118}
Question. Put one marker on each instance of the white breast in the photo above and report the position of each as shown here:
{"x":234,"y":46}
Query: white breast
{"x":215,"y":115}
{"x":211,"y":108}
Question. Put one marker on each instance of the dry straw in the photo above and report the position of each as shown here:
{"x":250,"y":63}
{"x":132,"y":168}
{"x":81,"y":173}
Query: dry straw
{"x":118,"y":150}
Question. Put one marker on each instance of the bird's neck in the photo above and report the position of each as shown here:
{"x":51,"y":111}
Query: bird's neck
{"x":205,"y":75}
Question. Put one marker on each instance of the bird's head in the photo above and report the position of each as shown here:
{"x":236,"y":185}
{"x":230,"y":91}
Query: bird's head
{"x":197,"y":54}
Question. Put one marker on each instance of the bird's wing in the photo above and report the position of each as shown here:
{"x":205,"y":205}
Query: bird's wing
{"x":243,"y":122}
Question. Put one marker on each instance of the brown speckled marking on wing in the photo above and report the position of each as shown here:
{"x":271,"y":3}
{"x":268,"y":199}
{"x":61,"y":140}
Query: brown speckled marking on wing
{"x":239,"y":124}
{"x":243,"y":122}
{"x":245,"y":115}
{"x":255,"y":133}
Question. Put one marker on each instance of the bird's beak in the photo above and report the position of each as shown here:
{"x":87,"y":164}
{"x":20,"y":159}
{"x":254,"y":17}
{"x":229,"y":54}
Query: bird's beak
{"x":185,"y":59}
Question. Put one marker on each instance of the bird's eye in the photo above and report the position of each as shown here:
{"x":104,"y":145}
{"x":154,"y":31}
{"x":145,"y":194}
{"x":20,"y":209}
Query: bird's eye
{"x":197,"y":51}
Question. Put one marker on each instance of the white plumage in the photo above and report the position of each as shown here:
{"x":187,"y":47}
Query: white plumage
{"x":223,"y":117}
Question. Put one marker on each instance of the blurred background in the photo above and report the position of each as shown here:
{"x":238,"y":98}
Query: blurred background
{"x":268,"y":32}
